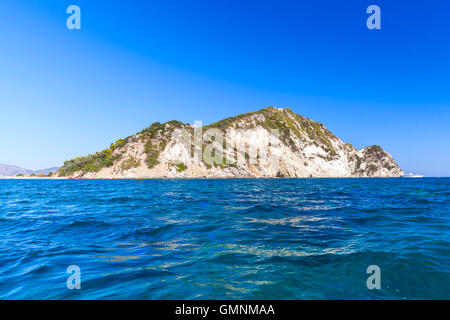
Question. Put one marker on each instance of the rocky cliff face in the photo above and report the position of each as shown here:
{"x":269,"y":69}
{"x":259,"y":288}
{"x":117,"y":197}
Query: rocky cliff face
{"x":267,"y":143}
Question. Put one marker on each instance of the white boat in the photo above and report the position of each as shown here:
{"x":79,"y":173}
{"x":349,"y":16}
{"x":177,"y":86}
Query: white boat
{"x":412,"y":175}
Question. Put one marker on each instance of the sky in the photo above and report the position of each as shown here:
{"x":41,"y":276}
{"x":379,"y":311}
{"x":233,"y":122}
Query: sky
{"x":67,"y":93}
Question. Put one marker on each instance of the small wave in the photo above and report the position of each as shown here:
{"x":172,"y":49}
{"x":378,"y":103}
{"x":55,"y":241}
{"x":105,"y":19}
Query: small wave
{"x":341,"y":256}
{"x":259,"y":208}
{"x":154,"y":231}
{"x":121,"y":199}
{"x":124,"y":275}
{"x":232,"y":259}
{"x":35,"y":269}
{"x":88,"y":223}
{"x":291,"y":221}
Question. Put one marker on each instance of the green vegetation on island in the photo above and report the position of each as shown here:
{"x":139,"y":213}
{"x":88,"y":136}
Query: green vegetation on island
{"x":93,"y":162}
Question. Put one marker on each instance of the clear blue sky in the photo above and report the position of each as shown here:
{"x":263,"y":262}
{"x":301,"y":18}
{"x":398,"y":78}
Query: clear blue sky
{"x":66,"y":93}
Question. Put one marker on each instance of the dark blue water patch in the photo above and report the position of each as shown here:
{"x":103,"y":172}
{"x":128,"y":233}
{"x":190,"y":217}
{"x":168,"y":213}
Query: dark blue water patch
{"x":151,"y":231}
{"x":225,"y":239}
{"x":89,"y":224}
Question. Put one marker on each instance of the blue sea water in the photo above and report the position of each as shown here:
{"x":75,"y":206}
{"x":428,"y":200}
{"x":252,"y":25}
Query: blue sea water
{"x":225,"y":239}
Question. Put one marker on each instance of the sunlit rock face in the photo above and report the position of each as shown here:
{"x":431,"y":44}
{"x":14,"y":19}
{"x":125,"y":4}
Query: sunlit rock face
{"x":268,"y":143}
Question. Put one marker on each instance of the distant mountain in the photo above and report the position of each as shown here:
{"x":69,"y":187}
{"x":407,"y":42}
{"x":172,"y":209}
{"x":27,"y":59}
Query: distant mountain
{"x":303,"y":148}
{"x":10,"y":171}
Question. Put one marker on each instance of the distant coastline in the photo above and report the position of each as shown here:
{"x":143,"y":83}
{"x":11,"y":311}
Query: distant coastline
{"x":269,"y":143}
{"x":194,"y":178}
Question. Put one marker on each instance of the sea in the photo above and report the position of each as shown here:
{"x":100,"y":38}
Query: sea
{"x":361,"y":238}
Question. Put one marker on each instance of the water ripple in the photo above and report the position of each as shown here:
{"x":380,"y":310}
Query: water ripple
{"x":225,"y":239}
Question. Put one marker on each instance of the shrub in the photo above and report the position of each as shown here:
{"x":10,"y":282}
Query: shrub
{"x":181,"y":167}
{"x":130,"y":163}
{"x":152,"y":155}
{"x":91,"y":163}
{"x":371,"y":169}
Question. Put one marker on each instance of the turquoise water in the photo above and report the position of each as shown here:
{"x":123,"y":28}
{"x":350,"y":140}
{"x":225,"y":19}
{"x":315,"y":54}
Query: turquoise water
{"x":225,"y":239}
